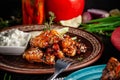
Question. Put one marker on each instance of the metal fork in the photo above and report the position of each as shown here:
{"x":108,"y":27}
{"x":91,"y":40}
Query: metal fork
{"x":60,"y":66}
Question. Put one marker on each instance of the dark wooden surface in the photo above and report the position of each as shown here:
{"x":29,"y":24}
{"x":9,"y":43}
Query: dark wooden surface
{"x":11,"y":7}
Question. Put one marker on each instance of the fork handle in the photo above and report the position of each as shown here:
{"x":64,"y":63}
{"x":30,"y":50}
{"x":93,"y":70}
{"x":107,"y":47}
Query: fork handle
{"x":55,"y":75}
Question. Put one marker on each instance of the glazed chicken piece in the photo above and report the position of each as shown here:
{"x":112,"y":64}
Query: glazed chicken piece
{"x":112,"y":70}
{"x":52,"y":53}
{"x":57,"y":51}
{"x":33,"y":55}
{"x":45,"y":39}
{"x":68,"y":46}
{"x":36,"y":55}
{"x":49,"y":59}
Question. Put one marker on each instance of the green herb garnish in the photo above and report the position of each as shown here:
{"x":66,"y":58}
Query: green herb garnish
{"x":50,"y":22}
{"x":7,"y":77}
{"x":80,"y":58}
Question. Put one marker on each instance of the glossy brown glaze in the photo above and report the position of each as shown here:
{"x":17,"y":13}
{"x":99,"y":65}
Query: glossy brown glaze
{"x":19,"y":65}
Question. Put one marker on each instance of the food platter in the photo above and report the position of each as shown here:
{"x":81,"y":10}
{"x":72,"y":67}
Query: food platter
{"x":19,"y":65}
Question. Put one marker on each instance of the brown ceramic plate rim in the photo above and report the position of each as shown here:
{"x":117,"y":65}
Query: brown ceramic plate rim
{"x":96,"y":53}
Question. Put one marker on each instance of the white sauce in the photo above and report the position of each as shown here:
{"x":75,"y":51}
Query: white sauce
{"x":13,"y":37}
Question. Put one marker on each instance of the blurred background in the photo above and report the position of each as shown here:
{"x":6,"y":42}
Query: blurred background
{"x":102,"y":4}
{"x":12,"y":8}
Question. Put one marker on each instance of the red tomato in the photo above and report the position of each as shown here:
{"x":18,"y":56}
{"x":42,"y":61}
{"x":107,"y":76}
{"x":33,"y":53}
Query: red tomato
{"x":64,"y":9}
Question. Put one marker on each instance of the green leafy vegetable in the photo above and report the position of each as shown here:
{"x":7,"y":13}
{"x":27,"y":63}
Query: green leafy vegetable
{"x":107,"y":19}
{"x":102,"y":26}
{"x":6,"y":77}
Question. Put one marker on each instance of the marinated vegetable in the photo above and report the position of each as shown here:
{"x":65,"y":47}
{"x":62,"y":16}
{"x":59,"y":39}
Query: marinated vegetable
{"x":33,"y":11}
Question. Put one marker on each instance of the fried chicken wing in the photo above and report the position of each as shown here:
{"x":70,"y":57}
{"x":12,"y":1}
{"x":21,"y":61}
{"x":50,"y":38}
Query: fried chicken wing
{"x":68,"y":46}
{"x":45,"y":39}
{"x":33,"y":55}
{"x":49,"y":59}
{"x":57,"y":51}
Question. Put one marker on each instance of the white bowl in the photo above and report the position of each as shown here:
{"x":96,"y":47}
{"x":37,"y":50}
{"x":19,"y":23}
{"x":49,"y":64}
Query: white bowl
{"x":15,"y":50}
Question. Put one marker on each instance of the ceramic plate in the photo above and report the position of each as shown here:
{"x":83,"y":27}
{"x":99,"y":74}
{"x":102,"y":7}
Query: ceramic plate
{"x":19,"y":65}
{"x":89,"y":73}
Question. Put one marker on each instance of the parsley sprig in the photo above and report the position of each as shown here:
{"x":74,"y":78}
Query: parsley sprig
{"x":50,"y":22}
